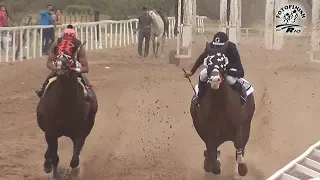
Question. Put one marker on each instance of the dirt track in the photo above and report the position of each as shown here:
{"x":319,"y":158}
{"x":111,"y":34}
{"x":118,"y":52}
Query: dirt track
{"x":143,"y":127}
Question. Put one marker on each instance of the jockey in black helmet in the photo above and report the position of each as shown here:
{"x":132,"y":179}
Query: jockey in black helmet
{"x":234,"y":69}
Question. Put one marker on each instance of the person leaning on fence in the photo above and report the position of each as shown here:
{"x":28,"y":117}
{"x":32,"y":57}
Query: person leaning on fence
{"x":58,"y":16}
{"x":144,"y":27}
{"x":46,"y":19}
{"x":3,"y":23}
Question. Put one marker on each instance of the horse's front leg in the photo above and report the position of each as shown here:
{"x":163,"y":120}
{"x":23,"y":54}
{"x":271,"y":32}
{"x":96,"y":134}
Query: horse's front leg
{"x":158,"y":45}
{"x":211,"y":161}
{"x":78,"y":143}
{"x":51,"y":155}
{"x":162,"y":45}
{"x":153,"y":44}
{"x":239,"y":145}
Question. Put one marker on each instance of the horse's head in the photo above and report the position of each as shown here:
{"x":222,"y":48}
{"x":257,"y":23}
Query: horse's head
{"x":216,"y":69}
{"x":152,"y":14}
{"x":64,"y":63}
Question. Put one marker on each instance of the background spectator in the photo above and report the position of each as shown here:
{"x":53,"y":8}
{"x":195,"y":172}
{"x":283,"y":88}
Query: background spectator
{"x":46,"y":19}
{"x":58,"y":17}
{"x":3,"y":23}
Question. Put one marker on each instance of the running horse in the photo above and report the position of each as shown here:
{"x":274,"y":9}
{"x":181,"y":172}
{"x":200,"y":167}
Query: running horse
{"x":222,"y":117}
{"x":63,"y":111}
{"x":159,"y":29}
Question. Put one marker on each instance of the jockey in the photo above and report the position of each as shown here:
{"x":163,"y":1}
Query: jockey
{"x":68,"y":44}
{"x":234,"y":69}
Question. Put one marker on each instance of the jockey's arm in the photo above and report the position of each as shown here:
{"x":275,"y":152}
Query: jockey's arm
{"x":83,"y":60}
{"x":235,"y":57}
{"x":199,"y":61}
{"x":52,"y":56}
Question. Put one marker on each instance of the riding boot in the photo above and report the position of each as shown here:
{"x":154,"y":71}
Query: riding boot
{"x":89,"y":95}
{"x":40,"y":91}
{"x":238,"y":87}
{"x":202,"y":87}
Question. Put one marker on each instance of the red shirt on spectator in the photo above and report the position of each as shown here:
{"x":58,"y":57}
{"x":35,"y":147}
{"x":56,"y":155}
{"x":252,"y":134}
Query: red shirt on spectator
{"x":3,"y":19}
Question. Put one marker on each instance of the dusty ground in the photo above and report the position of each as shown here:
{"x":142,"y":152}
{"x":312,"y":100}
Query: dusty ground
{"x":143,"y":128}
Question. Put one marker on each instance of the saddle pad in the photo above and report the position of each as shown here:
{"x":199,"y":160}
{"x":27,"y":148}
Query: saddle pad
{"x":245,"y":84}
{"x":51,"y":80}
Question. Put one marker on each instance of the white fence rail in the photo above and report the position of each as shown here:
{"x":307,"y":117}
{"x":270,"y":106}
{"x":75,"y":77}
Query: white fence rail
{"x":306,"y":166}
{"x":27,"y":40}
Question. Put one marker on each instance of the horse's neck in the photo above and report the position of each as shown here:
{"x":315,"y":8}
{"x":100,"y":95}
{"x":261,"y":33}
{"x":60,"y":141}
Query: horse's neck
{"x":220,"y":96}
{"x":226,"y":96}
{"x":68,"y":87}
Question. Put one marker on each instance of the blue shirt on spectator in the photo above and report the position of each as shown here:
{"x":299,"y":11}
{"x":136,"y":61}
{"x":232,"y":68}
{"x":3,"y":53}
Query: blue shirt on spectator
{"x":45,"y":18}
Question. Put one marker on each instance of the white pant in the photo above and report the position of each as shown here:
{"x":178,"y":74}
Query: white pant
{"x":204,"y":77}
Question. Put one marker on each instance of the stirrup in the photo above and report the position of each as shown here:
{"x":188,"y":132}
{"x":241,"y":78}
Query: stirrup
{"x":39,"y":92}
{"x":196,"y":101}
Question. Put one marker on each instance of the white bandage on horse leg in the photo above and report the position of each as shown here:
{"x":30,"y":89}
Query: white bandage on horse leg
{"x":204,"y":75}
{"x":231,"y":80}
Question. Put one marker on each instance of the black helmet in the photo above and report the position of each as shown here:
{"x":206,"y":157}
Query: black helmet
{"x":220,"y":38}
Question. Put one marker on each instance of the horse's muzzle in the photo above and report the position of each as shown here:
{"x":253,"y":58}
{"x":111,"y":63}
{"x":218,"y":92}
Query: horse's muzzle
{"x":215,"y":82}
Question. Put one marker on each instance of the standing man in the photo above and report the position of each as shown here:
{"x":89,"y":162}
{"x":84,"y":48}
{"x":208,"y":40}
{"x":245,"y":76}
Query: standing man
{"x":3,"y":23}
{"x":46,"y":19}
{"x":144,"y":27}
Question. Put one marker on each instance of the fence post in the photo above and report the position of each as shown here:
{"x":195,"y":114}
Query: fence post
{"x":96,"y":19}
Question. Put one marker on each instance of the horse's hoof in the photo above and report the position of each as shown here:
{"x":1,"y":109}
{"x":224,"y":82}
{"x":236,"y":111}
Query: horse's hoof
{"x":75,"y":172}
{"x":55,"y":173}
{"x":74,"y":163}
{"x":47,"y":166}
{"x":216,"y":168}
{"x":242,"y":169}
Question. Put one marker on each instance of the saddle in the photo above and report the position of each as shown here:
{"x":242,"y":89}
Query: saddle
{"x":53,"y":79}
{"x":245,"y":85}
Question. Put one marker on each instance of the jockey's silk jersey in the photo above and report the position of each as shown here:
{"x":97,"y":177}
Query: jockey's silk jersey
{"x":67,"y":46}
{"x":231,"y":52}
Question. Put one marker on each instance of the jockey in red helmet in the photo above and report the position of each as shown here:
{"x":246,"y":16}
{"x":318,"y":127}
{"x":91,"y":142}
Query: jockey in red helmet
{"x":67,"y":45}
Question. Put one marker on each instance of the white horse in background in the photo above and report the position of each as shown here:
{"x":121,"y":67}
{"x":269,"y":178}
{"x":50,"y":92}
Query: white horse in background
{"x":158,"y":30}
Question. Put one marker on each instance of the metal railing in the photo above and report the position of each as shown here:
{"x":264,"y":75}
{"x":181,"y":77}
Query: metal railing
{"x":306,"y":166}
{"x":25,"y":42}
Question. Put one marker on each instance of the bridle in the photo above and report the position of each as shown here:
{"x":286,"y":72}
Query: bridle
{"x":70,"y":63}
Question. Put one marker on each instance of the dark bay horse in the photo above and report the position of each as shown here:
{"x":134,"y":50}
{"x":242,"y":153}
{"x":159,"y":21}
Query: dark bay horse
{"x":63,"y":111}
{"x":221,"y":117}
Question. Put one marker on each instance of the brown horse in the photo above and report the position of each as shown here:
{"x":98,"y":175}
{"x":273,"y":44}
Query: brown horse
{"x":221,"y":117}
{"x":63,"y":111}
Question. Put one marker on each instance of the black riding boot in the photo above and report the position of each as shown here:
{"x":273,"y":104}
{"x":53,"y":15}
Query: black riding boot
{"x":40,"y":91}
{"x":202,"y":87}
{"x":238,"y":87}
{"x":89,"y":96}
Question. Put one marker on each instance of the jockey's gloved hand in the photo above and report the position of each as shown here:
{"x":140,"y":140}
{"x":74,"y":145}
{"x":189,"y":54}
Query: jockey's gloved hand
{"x":233,"y":73}
{"x":77,"y":69}
{"x":188,"y":74}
